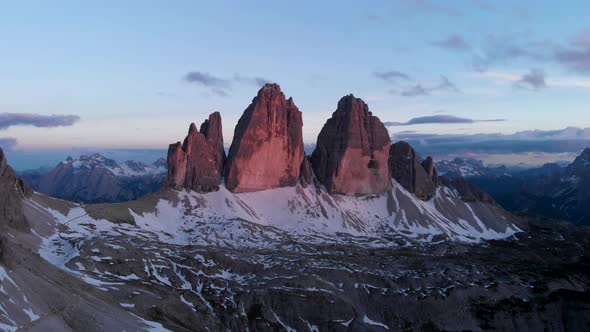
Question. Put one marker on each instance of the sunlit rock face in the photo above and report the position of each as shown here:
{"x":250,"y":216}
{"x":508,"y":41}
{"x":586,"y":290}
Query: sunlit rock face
{"x":352,"y":151}
{"x":197,"y":163}
{"x":267,"y":148}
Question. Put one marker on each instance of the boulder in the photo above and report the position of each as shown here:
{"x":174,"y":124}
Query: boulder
{"x":197,"y":164}
{"x":267,"y":148}
{"x":351,"y":155}
{"x":407,"y":170}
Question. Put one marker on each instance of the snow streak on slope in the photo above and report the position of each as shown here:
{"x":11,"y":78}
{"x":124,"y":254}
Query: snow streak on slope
{"x":312,"y":215}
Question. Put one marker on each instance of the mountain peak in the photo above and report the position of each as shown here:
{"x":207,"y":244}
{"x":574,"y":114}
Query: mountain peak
{"x":267,"y":148}
{"x":352,"y":151}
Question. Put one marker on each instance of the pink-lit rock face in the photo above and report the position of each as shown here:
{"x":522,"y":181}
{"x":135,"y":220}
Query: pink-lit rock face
{"x":197,"y":164}
{"x":267,"y":148}
{"x":352,"y":151}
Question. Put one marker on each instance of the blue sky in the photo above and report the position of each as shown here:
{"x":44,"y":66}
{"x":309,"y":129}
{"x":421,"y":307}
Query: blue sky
{"x":122,"y":68}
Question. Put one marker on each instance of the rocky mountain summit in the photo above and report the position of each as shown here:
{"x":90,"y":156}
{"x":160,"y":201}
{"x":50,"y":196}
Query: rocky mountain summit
{"x":417,"y":177}
{"x":97,"y":179}
{"x":469,"y":167}
{"x":197,"y":163}
{"x":352,"y":151}
{"x":267,"y":148}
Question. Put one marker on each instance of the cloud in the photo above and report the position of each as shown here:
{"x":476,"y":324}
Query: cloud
{"x":576,"y":57}
{"x":206,"y":79}
{"x":453,"y":42}
{"x":535,"y":79}
{"x":514,"y":77}
{"x":438,"y":119}
{"x":420,"y":90}
{"x":571,"y":139}
{"x":222,"y":86}
{"x":15,"y":119}
{"x":7,"y":143}
{"x":415,"y":90}
{"x":391,"y":76}
{"x":257,"y":81}
{"x":497,"y":50}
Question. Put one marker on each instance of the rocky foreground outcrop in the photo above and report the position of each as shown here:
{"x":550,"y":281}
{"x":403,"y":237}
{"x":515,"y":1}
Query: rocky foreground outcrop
{"x":408,"y":170}
{"x":12,"y":190}
{"x":267,"y":148}
{"x":197,"y":163}
{"x":351,"y":155}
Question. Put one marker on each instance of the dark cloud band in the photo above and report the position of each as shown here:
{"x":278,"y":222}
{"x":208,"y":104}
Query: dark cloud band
{"x":15,"y":119}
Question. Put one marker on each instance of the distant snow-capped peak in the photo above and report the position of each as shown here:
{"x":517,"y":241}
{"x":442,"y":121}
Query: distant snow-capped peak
{"x":129,"y":168}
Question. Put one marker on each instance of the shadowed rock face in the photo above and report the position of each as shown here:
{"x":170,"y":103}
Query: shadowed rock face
{"x":197,"y":163}
{"x":467,"y":191}
{"x":430,"y":168}
{"x":305,"y":172}
{"x":12,"y":190}
{"x":267,"y":149}
{"x":352,"y":151}
{"x":408,"y":171}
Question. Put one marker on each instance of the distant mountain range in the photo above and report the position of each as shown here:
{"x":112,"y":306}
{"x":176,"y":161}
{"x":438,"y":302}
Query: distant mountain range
{"x":554,"y":191}
{"x":97,"y":179}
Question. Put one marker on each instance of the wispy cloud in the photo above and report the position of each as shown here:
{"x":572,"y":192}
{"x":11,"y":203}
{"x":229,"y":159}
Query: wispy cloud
{"x":206,"y":79}
{"x":222,"y":86}
{"x":420,"y":90}
{"x":576,"y":57}
{"x":257,"y":81}
{"x":535,"y":79}
{"x":16,"y":119}
{"x":569,"y":139}
{"x":439,"y":119}
{"x":498,"y":50}
{"x":392,"y":76}
{"x":454,"y":43}
{"x":511,"y":77}
{"x":7,"y":143}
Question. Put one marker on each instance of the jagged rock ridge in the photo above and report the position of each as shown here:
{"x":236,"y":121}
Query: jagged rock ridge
{"x":197,"y":163}
{"x":351,"y":155}
{"x":409,"y":171}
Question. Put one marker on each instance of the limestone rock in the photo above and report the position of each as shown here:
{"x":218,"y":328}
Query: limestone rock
{"x":305,"y":172}
{"x":351,"y":155}
{"x":407,"y":170}
{"x":12,"y":192}
{"x":267,"y":148}
{"x":430,"y":168}
{"x":198,"y":162}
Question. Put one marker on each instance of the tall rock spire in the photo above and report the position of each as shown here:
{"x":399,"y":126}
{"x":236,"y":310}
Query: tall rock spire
{"x":351,"y":155}
{"x":267,"y":148}
{"x":198,"y":162}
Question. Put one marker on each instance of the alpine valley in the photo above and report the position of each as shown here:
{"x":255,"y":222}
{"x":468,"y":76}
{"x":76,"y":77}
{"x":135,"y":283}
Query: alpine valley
{"x":361,"y":235}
